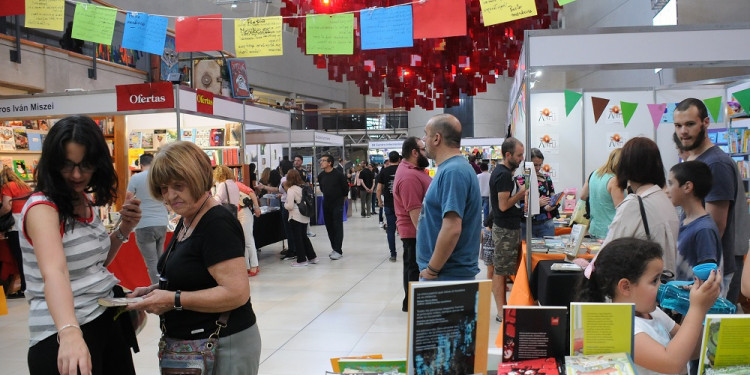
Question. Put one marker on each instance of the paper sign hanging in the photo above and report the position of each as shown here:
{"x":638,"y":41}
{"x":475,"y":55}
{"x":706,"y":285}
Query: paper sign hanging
{"x":259,"y":36}
{"x":599,"y":105}
{"x":12,"y":7}
{"x":563,"y":2}
{"x":571,"y":99}
{"x":144,"y":32}
{"x":45,"y":14}
{"x":386,"y":27}
{"x":657,"y":112}
{"x":714,"y":107}
{"x":330,"y":34}
{"x":628,"y":109}
{"x":439,"y":18}
{"x":199,"y":33}
{"x":94,"y":23}
{"x":743,"y":97}
{"x":499,"y":11}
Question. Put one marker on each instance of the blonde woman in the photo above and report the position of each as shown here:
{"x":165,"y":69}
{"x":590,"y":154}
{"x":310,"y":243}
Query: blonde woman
{"x":604,"y":195}
{"x":227,"y":191}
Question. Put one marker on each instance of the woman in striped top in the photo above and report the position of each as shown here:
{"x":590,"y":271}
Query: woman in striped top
{"x":65,"y":253}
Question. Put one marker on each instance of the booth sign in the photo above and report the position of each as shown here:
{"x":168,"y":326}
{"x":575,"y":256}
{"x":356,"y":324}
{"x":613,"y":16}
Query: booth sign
{"x":204,"y":101}
{"x":145,"y":96}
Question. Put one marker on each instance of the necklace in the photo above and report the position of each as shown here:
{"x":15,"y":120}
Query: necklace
{"x":186,"y":229}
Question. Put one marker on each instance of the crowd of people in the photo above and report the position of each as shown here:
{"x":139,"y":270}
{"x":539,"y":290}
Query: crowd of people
{"x":445,"y":223}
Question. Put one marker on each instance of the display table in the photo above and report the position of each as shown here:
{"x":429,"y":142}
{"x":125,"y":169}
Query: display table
{"x":319,"y":219}
{"x":268,"y":229}
{"x":554,"y":288}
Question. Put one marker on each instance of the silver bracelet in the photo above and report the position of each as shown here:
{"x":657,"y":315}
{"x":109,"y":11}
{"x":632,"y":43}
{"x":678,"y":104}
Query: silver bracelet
{"x":67,"y":326}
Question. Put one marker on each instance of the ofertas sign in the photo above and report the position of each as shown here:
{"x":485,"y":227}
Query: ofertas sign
{"x":145,"y":96}
{"x":204,"y":102}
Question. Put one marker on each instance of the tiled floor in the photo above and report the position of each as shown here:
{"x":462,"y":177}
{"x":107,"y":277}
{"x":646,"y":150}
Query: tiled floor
{"x":305,"y":315}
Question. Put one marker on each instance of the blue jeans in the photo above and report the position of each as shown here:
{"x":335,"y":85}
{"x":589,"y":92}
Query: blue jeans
{"x":485,"y":207}
{"x":390,"y":217}
{"x":539,"y":230}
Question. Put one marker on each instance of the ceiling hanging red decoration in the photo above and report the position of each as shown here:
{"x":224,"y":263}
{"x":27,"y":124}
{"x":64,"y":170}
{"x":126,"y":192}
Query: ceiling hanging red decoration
{"x":434,"y":72}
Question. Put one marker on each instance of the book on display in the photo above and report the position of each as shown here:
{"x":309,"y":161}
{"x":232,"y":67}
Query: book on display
{"x":725,"y":348}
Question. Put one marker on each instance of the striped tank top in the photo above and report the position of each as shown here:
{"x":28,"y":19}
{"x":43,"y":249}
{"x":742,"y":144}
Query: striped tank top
{"x":86,"y":245}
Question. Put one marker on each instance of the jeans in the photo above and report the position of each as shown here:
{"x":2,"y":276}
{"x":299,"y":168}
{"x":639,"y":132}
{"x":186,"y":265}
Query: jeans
{"x":374,"y":201}
{"x":150,"y":241}
{"x":390,"y":230}
{"x":539,"y":230}
{"x":302,"y":243}
{"x":411,"y":270}
{"x":366,"y":202}
{"x":292,"y":250}
{"x":333,"y":214}
{"x":485,"y":207}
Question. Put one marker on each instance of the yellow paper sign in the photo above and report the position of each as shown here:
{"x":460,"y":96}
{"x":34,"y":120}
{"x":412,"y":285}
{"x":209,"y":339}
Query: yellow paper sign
{"x":3,"y":302}
{"x":499,"y":11}
{"x":45,"y":14}
{"x":330,"y":34}
{"x":260,"y":36}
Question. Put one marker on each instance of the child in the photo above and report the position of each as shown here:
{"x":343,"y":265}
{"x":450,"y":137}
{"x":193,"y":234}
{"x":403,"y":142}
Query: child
{"x":628,"y":270}
{"x":699,"y":240}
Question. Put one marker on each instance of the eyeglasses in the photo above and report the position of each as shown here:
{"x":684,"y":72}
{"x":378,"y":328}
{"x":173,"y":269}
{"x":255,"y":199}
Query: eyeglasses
{"x":83,"y":167}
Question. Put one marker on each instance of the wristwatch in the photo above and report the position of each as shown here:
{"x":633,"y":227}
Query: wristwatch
{"x":177,"y":303}
{"x":123,"y":238}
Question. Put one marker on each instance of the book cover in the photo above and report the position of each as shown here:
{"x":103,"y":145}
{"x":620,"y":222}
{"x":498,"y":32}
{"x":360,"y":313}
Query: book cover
{"x":533,"y":332}
{"x":35,"y":141}
{"x":600,"y":364}
{"x":112,"y":301}
{"x":30,"y":124}
{"x":448,"y":326}
{"x":147,"y":139}
{"x":385,"y":366}
{"x":335,"y":361}
{"x":238,"y":78}
{"x":160,"y":138}
{"x":725,"y":348}
{"x":134,"y":139}
{"x":233,"y":134}
{"x":171,"y":135}
{"x":203,"y":137}
{"x":21,"y":138}
{"x":217,"y":137}
{"x":19,"y":166}
{"x":597,"y":328}
{"x":44,"y":125}
{"x":188,"y":135}
{"x":541,"y":366}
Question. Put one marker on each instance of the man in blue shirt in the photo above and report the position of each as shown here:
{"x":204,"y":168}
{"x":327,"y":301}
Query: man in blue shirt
{"x":449,"y":228}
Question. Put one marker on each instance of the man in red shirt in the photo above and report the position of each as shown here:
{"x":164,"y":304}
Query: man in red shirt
{"x":409,"y":188}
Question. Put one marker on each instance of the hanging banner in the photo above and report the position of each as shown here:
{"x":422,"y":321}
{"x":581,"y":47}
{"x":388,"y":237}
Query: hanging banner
{"x":656,"y":111}
{"x":599,"y":105}
{"x":714,"y":107}
{"x":437,"y":18}
{"x":144,"y":32}
{"x":628,"y":109}
{"x":12,"y":7}
{"x":743,"y":97}
{"x":144,"y":96}
{"x":386,"y":27}
{"x":261,"y":36}
{"x":45,"y":14}
{"x":199,"y":33}
{"x":571,"y":99}
{"x":330,"y":34}
{"x":563,"y":2}
{"x":499,"y":11}
{"x":94,"y":23}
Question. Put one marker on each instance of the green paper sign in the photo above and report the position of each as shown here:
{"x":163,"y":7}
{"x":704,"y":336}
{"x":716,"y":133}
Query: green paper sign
{"x":628,"y":109}
{"x":563,"y":2}
{"x":330,"y":34}
{"x":714,"y":106}
{"x":94,"y":23}
{"x":571,"y":99}
{"x":743,"y":97}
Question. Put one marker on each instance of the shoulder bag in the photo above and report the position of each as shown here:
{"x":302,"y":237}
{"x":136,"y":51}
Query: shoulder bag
{"x":229,"y":206}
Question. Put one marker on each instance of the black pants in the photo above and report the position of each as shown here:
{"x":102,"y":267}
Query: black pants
{"x":333,"y":214}
{"x":291,"y":245}
{"x":109,"y":350}
{"x":411,"y":270}
{"x":302,"y":243}
{"x":15,"y":250}
{"x":733,"y":294}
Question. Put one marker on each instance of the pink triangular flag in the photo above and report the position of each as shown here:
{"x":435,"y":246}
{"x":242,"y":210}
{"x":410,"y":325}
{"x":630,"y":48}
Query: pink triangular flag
{"x":657,"y":111}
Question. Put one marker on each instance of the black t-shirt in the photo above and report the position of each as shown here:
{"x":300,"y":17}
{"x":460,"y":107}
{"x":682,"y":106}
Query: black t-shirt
{"x":274,"y":179}
{"x":501,"y":180}
{"x":302,"y":173}
{"x":386,"y":177}
{"x":217,"y":237}
{"x":367,"y":177}
{"x":334,"y":187}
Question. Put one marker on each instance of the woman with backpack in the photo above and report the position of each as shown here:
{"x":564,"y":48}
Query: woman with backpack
{"x":297,"y":221}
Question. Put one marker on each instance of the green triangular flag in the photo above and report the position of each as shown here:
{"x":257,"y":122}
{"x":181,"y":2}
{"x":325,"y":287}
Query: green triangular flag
{"x":571,"y":99}
{"x":714,"y":106}
{"x":743,"y":97}
{"x":628,"y":109}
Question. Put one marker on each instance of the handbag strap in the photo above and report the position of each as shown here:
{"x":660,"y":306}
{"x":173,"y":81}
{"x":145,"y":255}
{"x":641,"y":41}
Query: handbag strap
{"x":229,"y":201}
{"x":643,"y":216}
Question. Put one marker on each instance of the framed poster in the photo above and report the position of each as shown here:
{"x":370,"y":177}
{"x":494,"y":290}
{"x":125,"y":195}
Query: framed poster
{"x":238,"y":79}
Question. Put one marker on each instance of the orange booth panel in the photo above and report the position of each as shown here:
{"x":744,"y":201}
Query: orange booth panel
{"x":129,"y":267}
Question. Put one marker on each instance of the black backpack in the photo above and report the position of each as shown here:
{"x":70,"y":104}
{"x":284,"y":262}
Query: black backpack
{"x":307,"y":204}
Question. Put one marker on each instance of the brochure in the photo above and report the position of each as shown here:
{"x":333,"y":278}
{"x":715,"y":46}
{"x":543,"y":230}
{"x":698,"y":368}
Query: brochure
{"x":611,"y":363}
{"x":599,"y":328}
{"x":533,"y":332}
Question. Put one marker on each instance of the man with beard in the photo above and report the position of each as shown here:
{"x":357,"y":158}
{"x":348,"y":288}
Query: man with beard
{"x":409,"y":187}
{"x":690,"y":122}
{"x":506,"y":228}
{"x":448,"y":231}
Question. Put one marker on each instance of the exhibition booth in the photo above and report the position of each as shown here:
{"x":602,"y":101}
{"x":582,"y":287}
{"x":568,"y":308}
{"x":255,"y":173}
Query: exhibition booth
{"x":487,"y":148}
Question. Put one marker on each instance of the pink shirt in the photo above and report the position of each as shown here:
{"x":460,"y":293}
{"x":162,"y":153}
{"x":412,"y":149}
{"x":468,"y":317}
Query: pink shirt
{"x":409,"y":188}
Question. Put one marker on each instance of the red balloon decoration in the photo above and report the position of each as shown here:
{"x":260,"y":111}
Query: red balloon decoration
{"x":433,"y":72}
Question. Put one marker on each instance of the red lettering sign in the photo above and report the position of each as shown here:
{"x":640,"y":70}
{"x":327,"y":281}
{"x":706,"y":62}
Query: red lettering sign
{"x":145,"y":96}
{"x":205,"y":101}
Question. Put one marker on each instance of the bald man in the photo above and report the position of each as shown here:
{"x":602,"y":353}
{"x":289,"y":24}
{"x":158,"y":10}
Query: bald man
{"x":449,"y":230}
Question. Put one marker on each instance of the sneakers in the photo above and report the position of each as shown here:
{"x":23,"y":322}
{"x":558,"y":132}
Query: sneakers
{"x":498,"y":319}
{"x":303,"y":264}
{"x":310,"y":234}
{"x":392,"y":258}
{"x":288,"y":257}
{"x":382,"y":225}
{"x":335,"y":255}
{"x":313,"y":260}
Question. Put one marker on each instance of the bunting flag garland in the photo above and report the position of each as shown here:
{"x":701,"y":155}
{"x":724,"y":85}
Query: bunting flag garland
{"x":144,"y":32}
{"x":199,"y":33}
{"x":628,"y":109}
{"x":330,"y":34}
{"x":656,"y":111}
{"x":599,"y":105}
{"x":571,"y":99}
{"x":45,"y":14}
{"x":500,"y":11}
{"x":563,"y":2}
{"x":262,"y":36}
{"x":94,"y":23}
{"x":714,"y":107}
{"x":397,"y":34}
{"x":743,"y":97}
{"x":12,"y":7}
{"x":439,"y":18}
